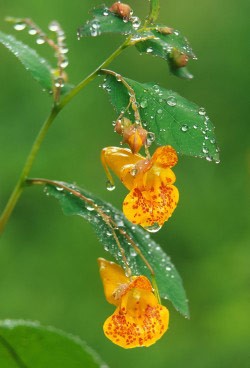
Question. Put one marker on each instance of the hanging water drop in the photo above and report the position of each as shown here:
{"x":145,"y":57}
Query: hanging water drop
{"x":40,"y":40}
{"x":59,"y":82}
{"x":202,"y":111}
{"x":20,"y":26}
{"x":150,"y":138}
{"x":110,"y":186}
{"x":171,"y":101}
{"x":54,"y":26}
{"x":32,"y":31}
{"x":154,"y":228}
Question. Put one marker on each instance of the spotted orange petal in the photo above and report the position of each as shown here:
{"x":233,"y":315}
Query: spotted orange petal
{"x":138,"y":321}
{"x":151,"y":206}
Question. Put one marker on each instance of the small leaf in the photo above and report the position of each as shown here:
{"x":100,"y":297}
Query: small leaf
{"x":39,"y":67}
{"x":174,"y":120}
{"x":167,"y":278}
{"x":165,"y":43}
{"x":26,"y":344}
{"x":35,"y":64}
{"x":104,"y":21}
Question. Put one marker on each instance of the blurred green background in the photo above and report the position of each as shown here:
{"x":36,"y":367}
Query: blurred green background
{"x":48,"y":268}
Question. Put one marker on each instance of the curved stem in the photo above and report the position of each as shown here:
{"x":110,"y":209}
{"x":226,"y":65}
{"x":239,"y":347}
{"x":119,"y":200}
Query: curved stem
{"x":26,"y":169}
{"x":154,"y":11}
{"x":41,"y":135}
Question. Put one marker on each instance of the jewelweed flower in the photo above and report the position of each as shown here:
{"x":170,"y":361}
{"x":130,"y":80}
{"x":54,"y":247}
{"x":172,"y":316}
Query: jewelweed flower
{"x":139,"y":320}
{"x":152,"y":197}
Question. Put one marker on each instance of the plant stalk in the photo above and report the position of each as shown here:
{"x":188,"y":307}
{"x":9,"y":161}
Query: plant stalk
{"x":43,"y":131}
{"x":154,"y":12}
{"x":26,"y":169}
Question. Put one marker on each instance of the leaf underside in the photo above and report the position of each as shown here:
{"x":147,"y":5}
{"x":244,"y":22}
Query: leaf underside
{"x":168,"y":280}
{"x":27,"y":344}
{"x":39,"y":68}
{"x":174,"y":120}
{"x":162,"y":45}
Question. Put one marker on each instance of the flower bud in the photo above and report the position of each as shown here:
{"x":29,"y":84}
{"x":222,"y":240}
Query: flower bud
{"x":180,"y":59}
{"x":121,"y":124}
{"x":121,"y":10}
{"x":165,"y":30}
{"x":135,"y":136}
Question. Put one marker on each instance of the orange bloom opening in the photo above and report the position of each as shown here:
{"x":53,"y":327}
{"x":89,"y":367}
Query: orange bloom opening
{"x":139,"y":320}
{"x":153,"y":197}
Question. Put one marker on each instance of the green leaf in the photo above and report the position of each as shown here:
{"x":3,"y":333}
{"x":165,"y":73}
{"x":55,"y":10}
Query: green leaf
{"x":166,"y":46}
{"x":35,"y":64}
{"x":174,"y":120}
{"x":104,"y":21}
{"x":26,"y":344}
{"x":39,"y":67}
{"x":167,"y":278}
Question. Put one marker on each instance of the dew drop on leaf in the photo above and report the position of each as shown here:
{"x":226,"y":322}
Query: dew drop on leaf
{"x":40,"y":40}
{"x":32,"y":31}
{"x":20,"y":26}
{"x":150,"y":138}
{"x":184,"y":128}
{"x":171,"y":101}
{"x":144,"y":103}
{"x":202,"y":111}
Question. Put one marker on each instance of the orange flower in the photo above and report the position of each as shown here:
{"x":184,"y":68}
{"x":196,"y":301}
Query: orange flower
{"x":153,"y":197}
{"x":139,"y":320}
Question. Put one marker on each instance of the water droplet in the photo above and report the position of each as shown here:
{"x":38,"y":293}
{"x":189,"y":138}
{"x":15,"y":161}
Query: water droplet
{"x":132,"y":252}
{"x":205,"y":150}
{"x":64,"y":63}
{"x":144,"y":103}
{"x":133,"y":172}
{"x":156,"y":88}
{"x":159,"y":111}
{"x":105,"y":12}
{"x":168,"y":268}
{"x":54,"y":26}
{"x":40,"y":40}
{"x":59,"y":82}
{"x":195,"y":126}
{"x":202,"y":111}
{"x":171,"y":101}
{"x":212,"y":141}
{"x":150,"y":138}
{"x":32,"y":31}
{"x":176,"y":33}
{"x":20,"y":26}
{"x":154,"y":228}
{"x":89,"y":207}
{"x":136,"y":22}
{"x":110,"y":186}
{"x":149,"y":50}
{"x":184,"y":128}
{"x":209,"y":158}
{"x":60,"y":189}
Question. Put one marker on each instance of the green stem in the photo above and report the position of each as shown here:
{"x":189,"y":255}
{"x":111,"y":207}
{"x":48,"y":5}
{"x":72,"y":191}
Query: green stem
{"x":41,"y":135}
{"x":154,"y":11}
{"x":26,"y":169}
